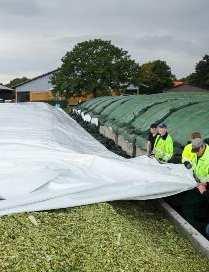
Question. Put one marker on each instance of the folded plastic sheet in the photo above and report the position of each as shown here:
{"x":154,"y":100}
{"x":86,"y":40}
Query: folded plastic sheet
{"x":47,"y":161}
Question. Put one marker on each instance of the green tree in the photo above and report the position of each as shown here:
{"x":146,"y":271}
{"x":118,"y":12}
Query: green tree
{"x":16,"y":81}
{"x":200,"y":77}
{"x":156,"y":75}
{"x":96,"y":66}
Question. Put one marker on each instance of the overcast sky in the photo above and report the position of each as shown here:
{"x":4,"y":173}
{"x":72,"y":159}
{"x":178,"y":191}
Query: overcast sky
{"x":35,"y":34}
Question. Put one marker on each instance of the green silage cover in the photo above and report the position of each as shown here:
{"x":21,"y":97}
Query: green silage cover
{"x":104,"y":104}
{"x":131,"y":116}
{"x":185,"y":121}
{"x":91,"y":104}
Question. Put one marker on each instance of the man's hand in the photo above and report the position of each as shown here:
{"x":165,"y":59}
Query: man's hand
{"x":202,"y":187}
{"x":161,"y":161}
{"x":187,"y":164}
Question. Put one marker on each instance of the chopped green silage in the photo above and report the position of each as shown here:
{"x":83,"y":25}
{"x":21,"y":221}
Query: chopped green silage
{"x":120,"y":236}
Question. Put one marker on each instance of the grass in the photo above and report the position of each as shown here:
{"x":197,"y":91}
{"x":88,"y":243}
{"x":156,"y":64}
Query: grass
{"x":118,"y":236}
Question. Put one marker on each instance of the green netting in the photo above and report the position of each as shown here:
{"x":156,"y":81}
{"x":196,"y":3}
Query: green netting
{"x":185,"y":121}
{"x":90,"y":102}
{"x":131,"y":116}
{"x":158,"y":112}
{"x":127,"y":112}
{"x":114,"y":106}
{"x":104,"y":104}
{"x":133,"y":107}
{"x":89,"y":106}
{"x":124,"y":115}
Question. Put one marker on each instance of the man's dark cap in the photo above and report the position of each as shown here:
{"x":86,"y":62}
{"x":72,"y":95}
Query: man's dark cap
{"x":153,"y":125}
{"x":162,"y":125}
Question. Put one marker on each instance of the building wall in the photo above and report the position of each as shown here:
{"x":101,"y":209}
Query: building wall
{"x":48,"y":96}
{"x":41,"y":96}
{"x":41,"y":84}
{"x":22,"y":97}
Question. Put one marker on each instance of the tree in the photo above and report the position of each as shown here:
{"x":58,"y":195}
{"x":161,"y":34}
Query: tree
{"x":16,"y":81}
{"x":200,"y":77}
{"x":156,"y":75}
{"x":96,"y":66}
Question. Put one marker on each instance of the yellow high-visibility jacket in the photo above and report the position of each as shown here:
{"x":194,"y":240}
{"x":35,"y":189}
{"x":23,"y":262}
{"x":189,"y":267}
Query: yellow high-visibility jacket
{"x":201,"y":166}
{"x":163,"y":148}
{"x":188,"y":155}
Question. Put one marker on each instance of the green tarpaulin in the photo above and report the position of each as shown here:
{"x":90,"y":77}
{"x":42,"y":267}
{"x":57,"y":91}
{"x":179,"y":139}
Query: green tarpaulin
{"x":131,"y":116}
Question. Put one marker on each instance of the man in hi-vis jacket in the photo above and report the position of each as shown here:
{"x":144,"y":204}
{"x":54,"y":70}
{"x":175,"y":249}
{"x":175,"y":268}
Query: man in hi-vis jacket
{"x":163,"y":147}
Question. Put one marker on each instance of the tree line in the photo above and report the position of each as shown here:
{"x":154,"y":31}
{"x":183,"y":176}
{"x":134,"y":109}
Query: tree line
{"x":98,"y":66}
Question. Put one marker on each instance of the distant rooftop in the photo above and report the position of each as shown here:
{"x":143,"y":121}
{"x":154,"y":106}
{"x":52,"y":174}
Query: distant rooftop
{"x":4,"y":88}
{"x":186,"y":88}
{"x":177,"y":83}
{"x":40,"y":76}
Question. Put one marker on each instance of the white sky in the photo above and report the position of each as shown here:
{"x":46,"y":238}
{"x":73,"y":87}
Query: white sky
{"x":35,"y":34}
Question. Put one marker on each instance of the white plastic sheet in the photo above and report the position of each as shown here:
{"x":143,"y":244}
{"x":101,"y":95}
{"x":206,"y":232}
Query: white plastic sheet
{"x":47,"y":161}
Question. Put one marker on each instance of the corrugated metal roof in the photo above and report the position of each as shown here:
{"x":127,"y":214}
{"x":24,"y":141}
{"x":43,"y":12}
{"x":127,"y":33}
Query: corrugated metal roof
{"x":2,"y":87}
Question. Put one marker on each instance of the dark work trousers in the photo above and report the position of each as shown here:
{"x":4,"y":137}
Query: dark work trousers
{"x":195,"y":209}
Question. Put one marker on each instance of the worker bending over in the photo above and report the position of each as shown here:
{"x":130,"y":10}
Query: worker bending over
{"x":195,"y":204}
{"x":163,"y":147}
{"x":189,"y":157}
{"x":201,"y":162}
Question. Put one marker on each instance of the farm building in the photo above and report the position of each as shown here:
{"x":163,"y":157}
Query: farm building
{"x":40,"y":89}
{"x":6,"y":94}
{"x":36,"y":89}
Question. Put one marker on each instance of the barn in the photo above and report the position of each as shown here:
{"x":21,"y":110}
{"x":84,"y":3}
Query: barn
{"x":37,"y":89}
